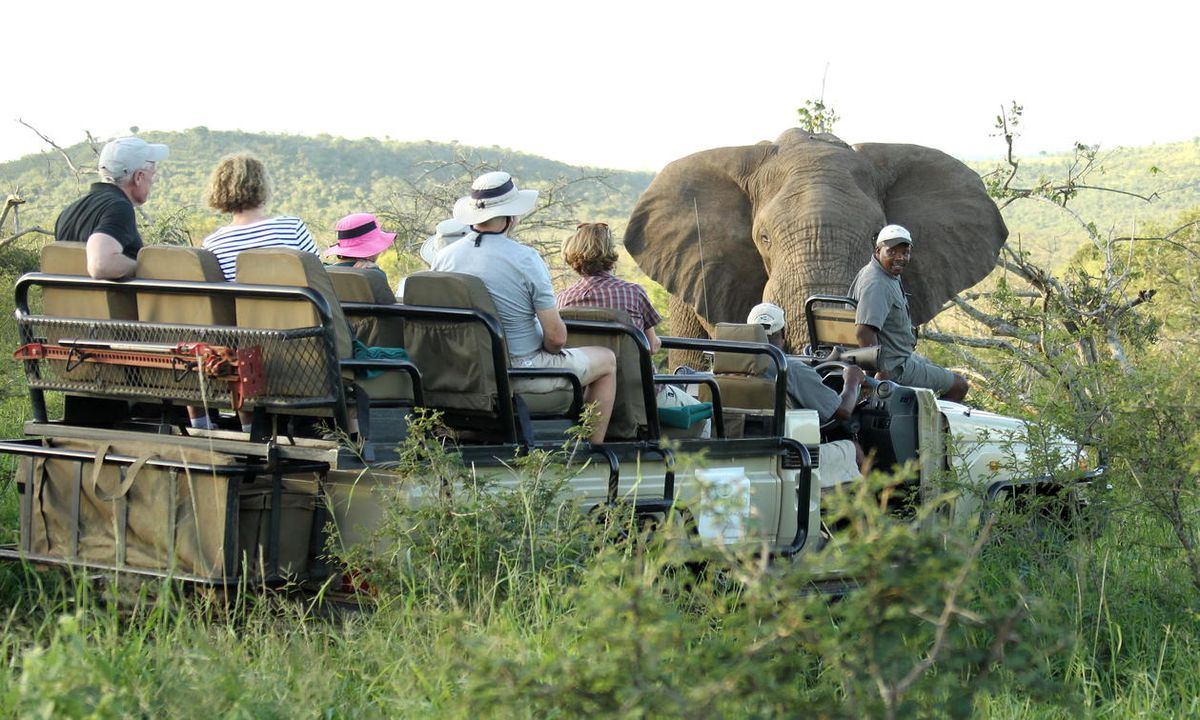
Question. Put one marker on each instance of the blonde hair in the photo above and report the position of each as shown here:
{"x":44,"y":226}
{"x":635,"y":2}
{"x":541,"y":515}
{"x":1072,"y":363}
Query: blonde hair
{"x":591,"y":249}
{"x":238,"y":182}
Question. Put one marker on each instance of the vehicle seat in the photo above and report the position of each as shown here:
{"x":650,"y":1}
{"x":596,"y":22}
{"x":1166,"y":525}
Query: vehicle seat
{"x":628,"y":420}
{"x":167,"y":262}
{"x":70,"y":258}
{"x":367,"y":285}
{"x":747,"y":395}
{"x":294,"y":372}
{"x":832,"y":332}
{"x":456,"y":358}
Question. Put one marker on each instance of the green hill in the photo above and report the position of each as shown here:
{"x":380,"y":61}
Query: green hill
{"x":316,"y":178}
{"x":1169,"y":174}
{"x":322,"y":178}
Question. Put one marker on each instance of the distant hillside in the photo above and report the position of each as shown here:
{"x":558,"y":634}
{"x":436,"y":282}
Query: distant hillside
{"x":1170,"y":174}
{"x":322,"y":178}
{"x":317,"y":178}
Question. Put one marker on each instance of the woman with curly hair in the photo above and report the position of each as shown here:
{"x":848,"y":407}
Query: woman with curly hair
{"x":239,"y":185}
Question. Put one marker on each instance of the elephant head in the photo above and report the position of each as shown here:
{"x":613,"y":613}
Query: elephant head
{"x":727,"y":228}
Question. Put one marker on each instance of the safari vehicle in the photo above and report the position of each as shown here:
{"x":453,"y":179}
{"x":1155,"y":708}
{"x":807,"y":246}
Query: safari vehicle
{"x":117,"y":480}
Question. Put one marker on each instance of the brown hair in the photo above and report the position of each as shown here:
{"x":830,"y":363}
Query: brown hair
{"x":238,"y":182}
{"x":591,"y":249}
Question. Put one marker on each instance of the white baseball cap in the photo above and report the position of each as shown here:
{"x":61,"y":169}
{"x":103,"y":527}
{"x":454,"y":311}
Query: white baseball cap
{"x":893,"y":235}
{"x":769,"y":315}
{"x":123,"y":157}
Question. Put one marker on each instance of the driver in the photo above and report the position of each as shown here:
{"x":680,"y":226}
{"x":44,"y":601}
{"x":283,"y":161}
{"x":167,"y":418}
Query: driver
{"x":882,"y":319}
{"x":841,"y":460}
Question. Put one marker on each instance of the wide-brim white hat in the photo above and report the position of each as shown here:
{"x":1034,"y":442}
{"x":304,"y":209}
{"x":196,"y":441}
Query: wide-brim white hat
{"x":493,"y":195}
{"x":447,"y":231}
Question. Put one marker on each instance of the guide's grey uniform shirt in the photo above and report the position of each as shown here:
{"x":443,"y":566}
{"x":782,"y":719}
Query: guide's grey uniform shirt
{"x":883,"y":306}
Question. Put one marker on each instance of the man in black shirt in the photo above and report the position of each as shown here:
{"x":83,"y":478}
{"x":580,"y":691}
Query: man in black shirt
{"x":104,"y":217}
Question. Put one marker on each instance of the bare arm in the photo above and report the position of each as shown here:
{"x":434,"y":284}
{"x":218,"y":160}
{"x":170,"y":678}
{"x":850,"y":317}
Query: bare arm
{"x":554,"y":330}
{"x":867,"y":335}
{"x":106,"y":260}
{"x":852,"y":380}
{"x":652,"y":338}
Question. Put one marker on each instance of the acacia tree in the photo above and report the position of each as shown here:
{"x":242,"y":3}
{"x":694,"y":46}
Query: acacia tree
{"x":420,"y":203}
{"x":1090,"y":353}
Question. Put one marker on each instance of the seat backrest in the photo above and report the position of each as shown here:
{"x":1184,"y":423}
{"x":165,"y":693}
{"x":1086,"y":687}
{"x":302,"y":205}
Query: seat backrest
{"x":70,"y":258}
{"x":455,"y":358}
{"x":292,"y":268}
{"x":741,"y":376}
{"x":367,"y":285}
{"x":831,"y":322}
{"x":168,"y":262}
{"x":628,"y":419}
{"x":740,"y":363}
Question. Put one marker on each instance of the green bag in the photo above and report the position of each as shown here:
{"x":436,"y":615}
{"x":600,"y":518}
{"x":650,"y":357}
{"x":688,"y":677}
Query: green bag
{"x":684,"y":416}
{"x":362,"y":351}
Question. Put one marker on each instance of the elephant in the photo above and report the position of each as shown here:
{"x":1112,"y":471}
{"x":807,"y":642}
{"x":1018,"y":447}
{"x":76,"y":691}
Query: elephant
{"x":724,"y":229}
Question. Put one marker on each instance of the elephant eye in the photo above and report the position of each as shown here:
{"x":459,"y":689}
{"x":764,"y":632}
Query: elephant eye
{"x":765,"y":240}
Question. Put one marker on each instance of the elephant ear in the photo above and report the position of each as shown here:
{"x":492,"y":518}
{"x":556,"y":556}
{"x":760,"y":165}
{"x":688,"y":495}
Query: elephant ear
{"x":956,"y":227}
{"x":691,"y":231}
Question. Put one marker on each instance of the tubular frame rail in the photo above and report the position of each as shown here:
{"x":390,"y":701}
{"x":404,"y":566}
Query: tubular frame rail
{"x":507,"y":407}
{"x":336,"y":399}
{"x":775,"y":354}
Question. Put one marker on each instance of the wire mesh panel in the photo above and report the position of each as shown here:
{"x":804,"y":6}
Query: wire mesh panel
{"x":299,"y":366}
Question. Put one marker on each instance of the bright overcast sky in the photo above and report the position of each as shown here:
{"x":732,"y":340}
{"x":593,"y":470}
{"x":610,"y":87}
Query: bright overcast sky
{"x":611,"y":83}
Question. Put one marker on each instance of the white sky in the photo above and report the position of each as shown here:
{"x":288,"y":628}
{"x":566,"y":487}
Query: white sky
{"x":611,"y":83}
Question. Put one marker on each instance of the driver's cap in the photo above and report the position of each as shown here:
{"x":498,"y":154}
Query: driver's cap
{"x":769,"y":315}
{"x":893,"y":235}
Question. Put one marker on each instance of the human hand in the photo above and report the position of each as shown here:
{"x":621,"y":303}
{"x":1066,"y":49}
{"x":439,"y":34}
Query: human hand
{"x":853,"y":375}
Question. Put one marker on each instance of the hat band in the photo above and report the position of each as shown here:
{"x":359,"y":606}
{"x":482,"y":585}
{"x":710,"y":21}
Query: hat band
{"x":490,"y":197}
{"x":488,"y":193}
{"x":357,"y":232}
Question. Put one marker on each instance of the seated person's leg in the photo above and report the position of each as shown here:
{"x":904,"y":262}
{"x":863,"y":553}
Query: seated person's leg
{"x":839,"y":464}
{"x":918,"y":371}
{"x":597,"y":371}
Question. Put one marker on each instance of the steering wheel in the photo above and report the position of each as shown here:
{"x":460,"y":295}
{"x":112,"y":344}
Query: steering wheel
{"x":831,"y":372}
{"x":831,"y":377}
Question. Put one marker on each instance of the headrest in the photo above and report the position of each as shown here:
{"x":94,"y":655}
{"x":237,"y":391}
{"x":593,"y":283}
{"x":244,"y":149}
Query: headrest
{"x":596,"y":313}
{"x":447,"y":289}
{"x":736,"y":362}
{"x":361,"y":285}
{"x":64,"y":258}
{"x":173,"y":262}
{"x":294,"y":268}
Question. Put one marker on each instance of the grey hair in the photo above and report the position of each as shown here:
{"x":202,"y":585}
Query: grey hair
{"x":108,"y":177}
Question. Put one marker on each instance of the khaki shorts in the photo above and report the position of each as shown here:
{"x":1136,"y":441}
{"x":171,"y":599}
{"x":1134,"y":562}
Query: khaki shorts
{"x":837,"y":465}
{"x":572,"y":359}
{"x":918,"y":371}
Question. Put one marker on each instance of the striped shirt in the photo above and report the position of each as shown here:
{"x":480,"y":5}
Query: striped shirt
{"x":609,"y":291}
{"x":284,"y":231}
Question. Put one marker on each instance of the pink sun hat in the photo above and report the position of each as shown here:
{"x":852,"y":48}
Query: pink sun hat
{"x":359,"y":236}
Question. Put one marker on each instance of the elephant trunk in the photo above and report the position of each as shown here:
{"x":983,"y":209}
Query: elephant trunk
{"x":814,"y":258}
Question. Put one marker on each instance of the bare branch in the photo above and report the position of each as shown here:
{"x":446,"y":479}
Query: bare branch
{"x":993,"y":323}
{"x":78,"y":172}
{"x":16,"y":236}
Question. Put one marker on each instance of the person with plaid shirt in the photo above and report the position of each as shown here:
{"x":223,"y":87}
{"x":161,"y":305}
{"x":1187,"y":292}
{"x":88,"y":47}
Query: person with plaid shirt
{"x":592,"y":253}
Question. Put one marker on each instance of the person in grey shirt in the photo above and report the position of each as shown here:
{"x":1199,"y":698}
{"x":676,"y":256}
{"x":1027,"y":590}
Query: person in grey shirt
{"x":882,"y":318}
{"x":806,"y":390}
{"x":517,"y":279}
